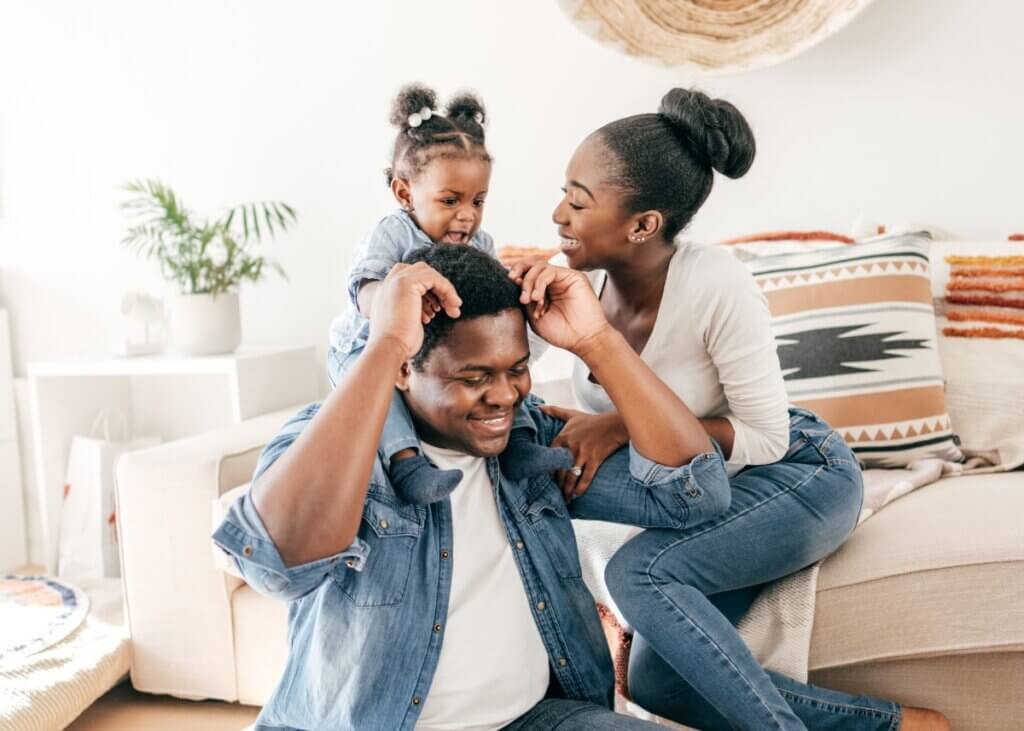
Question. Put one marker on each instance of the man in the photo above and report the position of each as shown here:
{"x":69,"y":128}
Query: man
{"x":470,"y":612}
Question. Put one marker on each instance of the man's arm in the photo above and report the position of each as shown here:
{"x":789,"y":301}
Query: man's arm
{"x":311,"y":499}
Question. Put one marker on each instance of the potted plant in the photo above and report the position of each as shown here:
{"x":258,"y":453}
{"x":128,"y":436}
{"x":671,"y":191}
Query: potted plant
{"x":208,"y":259}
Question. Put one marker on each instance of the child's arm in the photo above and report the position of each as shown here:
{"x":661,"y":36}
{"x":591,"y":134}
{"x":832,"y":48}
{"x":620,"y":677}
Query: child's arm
{"x":385,"y":247}
{"x":364,"y":298}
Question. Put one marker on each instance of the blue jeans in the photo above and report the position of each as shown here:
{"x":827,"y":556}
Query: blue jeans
{"x":568,"y":715}
{"x":684,"y":590}
{"x":399,"y":432}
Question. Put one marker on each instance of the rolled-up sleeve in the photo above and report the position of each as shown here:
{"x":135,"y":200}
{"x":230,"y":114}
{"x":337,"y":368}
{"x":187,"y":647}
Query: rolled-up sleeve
{"x":632,"y":489}
{"x":243,"y":536}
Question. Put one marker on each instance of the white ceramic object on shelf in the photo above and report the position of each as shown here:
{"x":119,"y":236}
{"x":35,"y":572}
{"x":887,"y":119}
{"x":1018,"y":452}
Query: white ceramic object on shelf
{"x":202,"y":324}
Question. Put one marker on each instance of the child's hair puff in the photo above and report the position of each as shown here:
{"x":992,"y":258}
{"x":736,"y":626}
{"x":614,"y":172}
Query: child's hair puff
{"x":424,"y":133}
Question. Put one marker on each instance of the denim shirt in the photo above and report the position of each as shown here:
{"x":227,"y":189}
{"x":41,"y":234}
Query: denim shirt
{"x":365,"y":626}
{"x":392,"y":240}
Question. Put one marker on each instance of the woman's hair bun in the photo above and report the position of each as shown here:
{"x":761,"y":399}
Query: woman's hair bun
{"x":466,"y":105}
{"x":410,"y":100}
{"x":712,"y":129}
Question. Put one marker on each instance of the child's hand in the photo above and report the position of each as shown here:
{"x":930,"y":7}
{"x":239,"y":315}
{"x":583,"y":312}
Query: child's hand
{"x":399,"y":302}
{"x":431,"y":306}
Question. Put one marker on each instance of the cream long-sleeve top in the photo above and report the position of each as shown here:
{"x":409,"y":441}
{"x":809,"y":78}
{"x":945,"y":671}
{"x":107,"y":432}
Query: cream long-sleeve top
{"x":712,"y":344}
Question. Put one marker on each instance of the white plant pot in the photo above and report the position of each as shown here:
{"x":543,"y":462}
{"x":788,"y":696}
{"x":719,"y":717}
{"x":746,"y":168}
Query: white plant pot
{"x":202,"y":324}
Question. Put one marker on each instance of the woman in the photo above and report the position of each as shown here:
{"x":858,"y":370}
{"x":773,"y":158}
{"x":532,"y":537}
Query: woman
{"x":697,"y":318}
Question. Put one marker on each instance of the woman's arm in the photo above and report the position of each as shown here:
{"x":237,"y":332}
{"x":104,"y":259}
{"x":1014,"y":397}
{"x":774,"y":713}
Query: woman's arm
{"x":721,"y":430}
{"x":565,"y":311}
{"x":736,"y":327}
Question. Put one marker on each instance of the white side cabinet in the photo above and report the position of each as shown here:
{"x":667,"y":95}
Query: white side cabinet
{"x":163,"y":396}
{"x":13,"y":552}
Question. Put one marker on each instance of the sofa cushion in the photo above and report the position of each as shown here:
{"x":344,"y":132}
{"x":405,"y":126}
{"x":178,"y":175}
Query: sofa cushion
{"x":855,"y":328}
{"x":937,"y":572}
{"x":261,"y":643}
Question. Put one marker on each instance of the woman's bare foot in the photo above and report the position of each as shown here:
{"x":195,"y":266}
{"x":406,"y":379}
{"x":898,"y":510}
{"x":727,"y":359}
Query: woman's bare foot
{"x":923,"y":719}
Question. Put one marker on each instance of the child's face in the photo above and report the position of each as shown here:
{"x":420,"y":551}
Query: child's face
{"x":447,"y":198}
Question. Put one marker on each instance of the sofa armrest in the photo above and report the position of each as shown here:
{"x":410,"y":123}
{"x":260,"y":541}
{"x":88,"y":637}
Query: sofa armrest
{"x":178,"y":604}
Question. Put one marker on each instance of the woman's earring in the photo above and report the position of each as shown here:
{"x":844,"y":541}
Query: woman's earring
{"x":636,"y":239}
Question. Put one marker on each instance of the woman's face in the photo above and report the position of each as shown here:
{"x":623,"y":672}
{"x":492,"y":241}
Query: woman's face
{"x":591,"y":217}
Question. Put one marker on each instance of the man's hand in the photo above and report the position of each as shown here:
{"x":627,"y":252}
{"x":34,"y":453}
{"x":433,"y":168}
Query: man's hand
{"x":561,"y":305}
{"x":591,"y":438}
{"x":401,"y":305}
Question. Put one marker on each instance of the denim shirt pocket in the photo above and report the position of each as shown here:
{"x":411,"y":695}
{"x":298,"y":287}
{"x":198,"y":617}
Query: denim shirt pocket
{"x":548,"y":519}
{"x":390,"y":532}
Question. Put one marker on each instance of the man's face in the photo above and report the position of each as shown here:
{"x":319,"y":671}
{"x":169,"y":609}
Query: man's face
{"x":471,"y":385}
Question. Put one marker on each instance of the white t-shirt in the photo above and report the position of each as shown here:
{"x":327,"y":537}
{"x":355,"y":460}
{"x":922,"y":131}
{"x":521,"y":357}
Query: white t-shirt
{"x":712,"y":344}
{"x":493,"y":666}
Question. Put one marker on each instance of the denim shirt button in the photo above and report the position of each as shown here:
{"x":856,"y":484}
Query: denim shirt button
{"x":437,"y":628}
{"x":562,"y":662}
{"x":247,"y":551}
{"x":541,"y":605}
{"x":519,"y":545}
{"x":383,"y":525}
{"x":444,"y":555}
{"x":416,"y":701}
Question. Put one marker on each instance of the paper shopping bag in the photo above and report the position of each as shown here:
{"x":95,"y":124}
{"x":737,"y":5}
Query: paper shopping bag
{"x":88,"y":521}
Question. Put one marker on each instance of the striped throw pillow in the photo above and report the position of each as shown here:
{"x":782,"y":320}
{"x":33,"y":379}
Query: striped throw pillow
{"x":856,"y":335}
{"x":979,"y":294}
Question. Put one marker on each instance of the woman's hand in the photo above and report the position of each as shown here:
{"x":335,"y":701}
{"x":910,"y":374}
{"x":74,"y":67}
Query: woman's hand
{"x":561,"y":304}
{"x":591,"y":438}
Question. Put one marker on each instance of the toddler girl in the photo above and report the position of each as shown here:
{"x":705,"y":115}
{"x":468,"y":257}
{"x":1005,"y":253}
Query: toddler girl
{"x":439,"y":175}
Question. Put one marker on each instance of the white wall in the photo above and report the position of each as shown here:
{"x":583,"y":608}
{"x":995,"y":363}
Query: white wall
{"x":911,"y":113}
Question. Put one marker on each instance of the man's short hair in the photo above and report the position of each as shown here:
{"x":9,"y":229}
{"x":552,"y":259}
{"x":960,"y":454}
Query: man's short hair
{"x":480,"y":280}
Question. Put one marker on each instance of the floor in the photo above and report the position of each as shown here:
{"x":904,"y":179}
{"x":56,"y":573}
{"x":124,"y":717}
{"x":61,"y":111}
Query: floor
{"x":123,"y":709}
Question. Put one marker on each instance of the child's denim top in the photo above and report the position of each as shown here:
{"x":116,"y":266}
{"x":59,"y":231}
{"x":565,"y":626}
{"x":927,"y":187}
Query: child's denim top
{"x":392,"y":240}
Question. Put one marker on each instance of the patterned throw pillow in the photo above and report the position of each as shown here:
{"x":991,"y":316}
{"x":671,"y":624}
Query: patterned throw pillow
{"x":856,"y":335}
{"x":979,"y":293}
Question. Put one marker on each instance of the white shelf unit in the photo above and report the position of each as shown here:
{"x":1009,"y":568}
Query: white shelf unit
{"x":164,"y":396}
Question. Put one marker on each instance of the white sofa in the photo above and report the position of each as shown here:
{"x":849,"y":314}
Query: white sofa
{"x":924,"y":604}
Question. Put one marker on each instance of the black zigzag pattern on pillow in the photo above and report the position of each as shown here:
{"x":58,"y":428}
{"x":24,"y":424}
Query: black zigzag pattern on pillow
{"x":829,"y":351}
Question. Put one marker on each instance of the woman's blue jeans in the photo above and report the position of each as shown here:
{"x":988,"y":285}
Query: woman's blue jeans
{"x":683,"y":591}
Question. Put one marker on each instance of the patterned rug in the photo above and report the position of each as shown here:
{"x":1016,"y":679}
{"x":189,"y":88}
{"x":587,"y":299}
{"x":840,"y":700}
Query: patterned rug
{"x":37,"y":612}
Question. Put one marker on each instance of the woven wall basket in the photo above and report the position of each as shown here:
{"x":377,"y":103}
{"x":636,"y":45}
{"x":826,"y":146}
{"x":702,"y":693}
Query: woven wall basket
{"x":712,"y":36}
